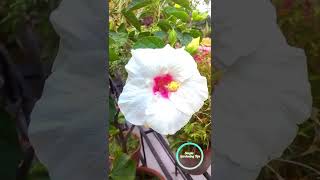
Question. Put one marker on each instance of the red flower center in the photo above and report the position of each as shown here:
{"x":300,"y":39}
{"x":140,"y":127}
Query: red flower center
{"x":161,"y":83}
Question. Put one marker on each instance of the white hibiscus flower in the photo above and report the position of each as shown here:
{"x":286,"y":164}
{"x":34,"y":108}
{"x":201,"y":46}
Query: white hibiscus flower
{"x":163,"y":90}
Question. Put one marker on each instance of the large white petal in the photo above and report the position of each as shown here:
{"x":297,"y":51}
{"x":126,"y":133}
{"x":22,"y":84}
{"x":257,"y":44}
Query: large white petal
{"x":134,"y":99}
{"x":148,"y":63}
{"x":191,"y":95}
{"x":163,"y":117}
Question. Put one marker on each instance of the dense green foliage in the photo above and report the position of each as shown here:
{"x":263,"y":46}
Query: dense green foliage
{"x":151,"y":23}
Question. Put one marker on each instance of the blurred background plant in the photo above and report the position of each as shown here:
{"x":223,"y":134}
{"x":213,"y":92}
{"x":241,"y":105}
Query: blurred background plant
{"x":28,"y":36}
{"x":299,"y":20}
{"x":16,"y":14}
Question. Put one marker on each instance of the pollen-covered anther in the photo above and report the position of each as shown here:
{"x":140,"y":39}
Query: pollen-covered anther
{"x":173,"y":86}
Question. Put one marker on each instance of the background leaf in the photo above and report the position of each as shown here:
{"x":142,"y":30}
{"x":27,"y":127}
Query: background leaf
{"x":123,"y":168}
{"x":172,"y":37}
{"x":183,"y":3}
{"x":164,"y":25}
{"x":193,"y":46}
{"x":195,"y":33}
{"x":132,"y":19}
{"x":160,"y":34}
{"x":178,"y":13}
{"x":119,"y":38}
{"x":113,"y":55}
{"x":137,"y":4}
{"x":122,"y":28}
{"x":149,"y":42}
{"x":184,"y":38}
{"x":198,"y":16}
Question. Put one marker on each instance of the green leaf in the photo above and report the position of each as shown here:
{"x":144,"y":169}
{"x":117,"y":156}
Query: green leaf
{"x":181,"y":26}
{"x":198,"y":16}
{"x":183,"y":3}
{"x":120,"y":38}
{"x":144,"y":34}
{"x":113,"y":130}
{"x":184,"y":38}
{"x":172,"y":37}
{"x":195,"y":33}
{"x":193,"y":46}
{"x":164,"y":25}
{"x":122,"y":28}
{"x":178,"y":13}
{"x":123,"y":168}
{"x":137,"y":4}
{"x":160,"y":34}
{"x":121,"y":119}
{"x":113,"y":55}
{"x":132,"y":19}
{"x":132,"y":35}
{"x":149,"y":42}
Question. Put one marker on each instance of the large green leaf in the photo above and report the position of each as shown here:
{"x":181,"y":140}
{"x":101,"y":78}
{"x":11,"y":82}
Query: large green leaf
{"x":182,"y":26}
{"x":132,"y":35}
{"x":137,"y":4}
{"x":113,"y":56}
{"x":120,"y":38}
{"x":178,"y":13}
{"x":123,"y":168}
{"x":149,"y":42}
{"x":198,"y":16}
{"x":183,"y":3}
{"x":160,"y":34}
{"x":164,"y":25}
{"x":132,"y":19}
{"x":122,"y":28}
{"x":184,"y":38}
{"x":144,"y":34}
{"x":195,"y":33}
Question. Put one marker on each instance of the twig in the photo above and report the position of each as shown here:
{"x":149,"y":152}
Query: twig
{"x":129,"y":132}
{"x":275,"y":172}
{"x":123,"y":142}
{"x":299,"y":164}
{"x":123,"y":139}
